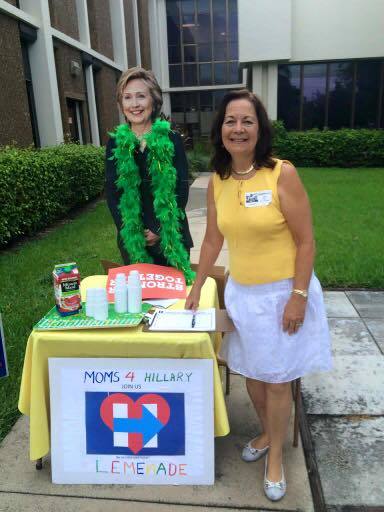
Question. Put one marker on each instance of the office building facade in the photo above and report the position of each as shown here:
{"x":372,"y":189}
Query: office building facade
{"x":314,"y":64}
{"x":60,"y":61}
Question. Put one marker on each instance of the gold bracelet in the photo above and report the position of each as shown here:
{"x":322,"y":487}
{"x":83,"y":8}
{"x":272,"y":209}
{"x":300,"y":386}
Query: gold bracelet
{"x":303,"y":293}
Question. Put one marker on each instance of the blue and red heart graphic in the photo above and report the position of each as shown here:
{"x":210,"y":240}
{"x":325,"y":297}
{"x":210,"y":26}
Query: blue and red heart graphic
{"x":124,"y":423}
{"x":140,"y":423}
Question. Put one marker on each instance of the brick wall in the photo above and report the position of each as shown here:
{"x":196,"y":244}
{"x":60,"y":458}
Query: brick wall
{"x":64,"y":17}
{"x":130,"y":33}
{"x":13,"y":2}
{"x":100,"y":27}
{"x":105,"y":90}
{"x":71,"y":86}
{"x":142,"y":7}
{"x":15,"y":122}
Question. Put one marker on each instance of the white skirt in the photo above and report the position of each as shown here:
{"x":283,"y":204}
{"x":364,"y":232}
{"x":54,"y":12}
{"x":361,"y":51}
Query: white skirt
{"x":259,"y":348}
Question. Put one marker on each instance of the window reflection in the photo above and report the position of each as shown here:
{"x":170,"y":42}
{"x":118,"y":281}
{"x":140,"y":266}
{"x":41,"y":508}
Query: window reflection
{"x":190,"y":53}
{"x":190,"y":74}
{"x":314,"y":83}
{"x":205,"y":52}
{"x":337,"y":95}
{"x":174,"y":54}
{"x":193,"y":112}
{"x":367,"y":94}
{"x":188,"y":11}
{"x":202,"y":32}
{"x":220,"y":51}
{"x":204,"y":28}
{"x":205,"y":71}
{"x":202,"y":51}
{"x":234,"y":73}
{"x":382,"y":96}
{"x":220,"y":73}
{"x":340,"y":94}
{"x":288,"y":97}
{"x":175,"y":76}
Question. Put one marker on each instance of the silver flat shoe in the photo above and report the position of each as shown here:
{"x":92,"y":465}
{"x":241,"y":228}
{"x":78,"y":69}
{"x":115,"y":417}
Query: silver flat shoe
{"x":251,"y":454}
{"x":274,"y":491}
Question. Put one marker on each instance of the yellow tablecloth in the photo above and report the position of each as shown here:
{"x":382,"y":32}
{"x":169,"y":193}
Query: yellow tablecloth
{"x":125,"y":342}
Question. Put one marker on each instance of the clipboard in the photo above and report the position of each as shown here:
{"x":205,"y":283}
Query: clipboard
{"x":223,"y":324}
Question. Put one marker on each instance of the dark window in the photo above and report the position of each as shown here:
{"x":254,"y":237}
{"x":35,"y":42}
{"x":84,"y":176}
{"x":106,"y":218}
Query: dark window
{"x":95,"y":71}
{"x":288,"y":96}
{"x":218,"y":96}
{"x":206,"y":99}
{"x":220,"y":50}
{"x":340,"y":85}
{"x":188,"y":11}
{"x":174,"y":54}
{"x":193,"y":112}
{"x":367,"y":94}
{"x":173,"y":30}
{"x":335,"y":94}
{"x":205,"y":71}
{"x":190,"y":74}
{"x":203,"y":32}
{"x":203,"y":6}
{"x":177,"y":102}
{"x":75,"y":120}
{"x":234,"y":72}
{"x":175,"y":76}
{"x":381,"y":100}
{"x":204,"y":28}
{"x":189,"y":34}
{"x":205,"y":52}
{"x":30,"y":96}
{"x":314,"y":83}
{"x":190,"y":53}
{"x":220,"y":73}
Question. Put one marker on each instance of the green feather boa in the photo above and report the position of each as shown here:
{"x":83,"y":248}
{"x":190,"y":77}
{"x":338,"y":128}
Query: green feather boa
{"x":163,"y":182}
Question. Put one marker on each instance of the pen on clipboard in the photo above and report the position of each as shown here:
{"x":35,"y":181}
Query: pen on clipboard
{"x":193,"y":320}
{"x":153,"y":319}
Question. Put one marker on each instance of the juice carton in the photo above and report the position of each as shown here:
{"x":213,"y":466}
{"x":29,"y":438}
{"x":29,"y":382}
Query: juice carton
{"x":66,"y":283}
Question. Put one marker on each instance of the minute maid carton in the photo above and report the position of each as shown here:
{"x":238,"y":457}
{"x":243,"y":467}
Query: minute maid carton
{"x":66,"y":283}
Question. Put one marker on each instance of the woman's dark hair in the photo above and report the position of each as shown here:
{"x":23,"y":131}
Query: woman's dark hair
{"x":221,"y":159}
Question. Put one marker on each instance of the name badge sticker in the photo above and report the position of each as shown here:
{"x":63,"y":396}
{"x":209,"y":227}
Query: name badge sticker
{"x":261,"y":198}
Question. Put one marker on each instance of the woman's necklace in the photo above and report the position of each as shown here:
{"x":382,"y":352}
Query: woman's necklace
{"x":243,"y":173}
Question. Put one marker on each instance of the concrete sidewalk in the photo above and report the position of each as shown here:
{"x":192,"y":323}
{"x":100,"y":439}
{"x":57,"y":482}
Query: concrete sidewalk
{"x":345,"y":409}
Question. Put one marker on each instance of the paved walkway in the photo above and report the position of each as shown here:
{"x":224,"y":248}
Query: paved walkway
{"x":345,"y":410}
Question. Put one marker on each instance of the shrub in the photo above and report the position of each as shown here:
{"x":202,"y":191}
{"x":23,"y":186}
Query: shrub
{"x":40,"y":186}
{"x":197,"y":162}
{"x":330,"y":148}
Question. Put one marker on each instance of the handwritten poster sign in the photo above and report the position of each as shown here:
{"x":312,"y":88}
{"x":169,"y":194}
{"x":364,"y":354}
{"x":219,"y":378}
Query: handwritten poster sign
{"x":157,"y":282}
{"x":3,"y":354}
{"x":132,"y":421}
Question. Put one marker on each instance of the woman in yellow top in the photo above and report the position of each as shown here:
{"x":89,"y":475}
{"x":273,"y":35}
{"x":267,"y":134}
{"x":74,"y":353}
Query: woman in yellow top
{"x":259,"y":205}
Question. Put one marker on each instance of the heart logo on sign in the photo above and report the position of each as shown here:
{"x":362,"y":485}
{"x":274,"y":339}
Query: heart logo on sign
{"x":135,"y":419}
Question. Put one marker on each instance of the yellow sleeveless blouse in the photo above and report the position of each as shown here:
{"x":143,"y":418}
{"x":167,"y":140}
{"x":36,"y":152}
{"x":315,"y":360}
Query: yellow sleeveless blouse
{"x":260,"y":245}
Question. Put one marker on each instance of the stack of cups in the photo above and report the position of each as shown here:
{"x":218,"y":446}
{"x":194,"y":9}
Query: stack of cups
{"x":121,"y":300}
{"x":134,"y":292}
{"x":97,"y":303}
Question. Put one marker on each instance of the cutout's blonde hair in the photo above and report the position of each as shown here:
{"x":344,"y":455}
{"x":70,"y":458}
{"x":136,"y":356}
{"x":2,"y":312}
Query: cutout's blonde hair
{"x":149,"y":79}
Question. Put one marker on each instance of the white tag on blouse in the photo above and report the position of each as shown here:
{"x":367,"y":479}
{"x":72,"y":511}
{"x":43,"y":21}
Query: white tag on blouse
{"x":261,"y":198}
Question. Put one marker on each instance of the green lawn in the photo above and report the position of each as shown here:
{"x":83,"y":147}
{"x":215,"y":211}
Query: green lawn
{"x":348,"y":213}
{"x":349,"y":226}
